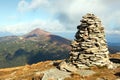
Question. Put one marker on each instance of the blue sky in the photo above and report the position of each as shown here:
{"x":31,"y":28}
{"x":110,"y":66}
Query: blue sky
{"x":21,"y":16}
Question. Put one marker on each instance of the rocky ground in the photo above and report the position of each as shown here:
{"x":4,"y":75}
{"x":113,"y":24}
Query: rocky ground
{"x":48,"y":71}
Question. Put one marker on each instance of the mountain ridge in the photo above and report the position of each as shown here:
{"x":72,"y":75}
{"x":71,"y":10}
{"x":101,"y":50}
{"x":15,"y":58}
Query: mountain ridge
{"x":38,"y":32}
{"x":35,"y":46}
{"x":24,"y":49}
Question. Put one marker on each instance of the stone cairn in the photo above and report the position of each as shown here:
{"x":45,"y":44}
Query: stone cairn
{"x":89,"y":47}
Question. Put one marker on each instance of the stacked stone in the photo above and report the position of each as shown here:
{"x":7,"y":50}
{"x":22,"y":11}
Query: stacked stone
{"x":90,"y":47}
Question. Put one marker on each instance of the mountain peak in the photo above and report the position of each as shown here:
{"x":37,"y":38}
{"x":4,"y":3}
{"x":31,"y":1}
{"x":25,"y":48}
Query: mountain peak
{"x":38,"y":32}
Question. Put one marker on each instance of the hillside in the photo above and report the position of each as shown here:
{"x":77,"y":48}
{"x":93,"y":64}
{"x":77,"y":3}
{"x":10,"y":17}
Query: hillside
{"x":114,"y":47}
{"x":47,"y":71}
{"x":35,"y":46}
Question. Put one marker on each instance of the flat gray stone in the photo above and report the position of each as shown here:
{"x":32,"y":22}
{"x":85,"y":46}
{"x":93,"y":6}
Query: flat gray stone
{"x":55,"y":74}
{"x":85,"y":72}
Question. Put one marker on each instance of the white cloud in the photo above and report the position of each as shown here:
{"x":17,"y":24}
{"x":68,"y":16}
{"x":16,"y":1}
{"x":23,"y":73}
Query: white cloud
{"x":69,"y":12}
{"x":37,"y":3}
{"x":22,"y":28}
{"x":113,"y":32}
{"x":23,"y":6}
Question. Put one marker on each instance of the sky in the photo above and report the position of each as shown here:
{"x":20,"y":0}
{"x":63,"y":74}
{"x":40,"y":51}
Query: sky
{"x":22,"y":16}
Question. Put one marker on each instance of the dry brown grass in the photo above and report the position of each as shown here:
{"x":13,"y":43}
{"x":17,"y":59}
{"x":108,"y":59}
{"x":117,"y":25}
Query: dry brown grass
{"x":28,"y":72}
{"x":25,"y":72}
{"x":117,"y":55}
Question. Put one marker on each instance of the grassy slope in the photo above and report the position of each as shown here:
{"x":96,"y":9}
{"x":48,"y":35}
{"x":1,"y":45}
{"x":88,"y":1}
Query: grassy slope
{"x":16,"y":52}
{"x":32,"y":72}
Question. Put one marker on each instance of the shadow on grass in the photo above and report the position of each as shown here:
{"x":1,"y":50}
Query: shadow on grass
{"x":115,"y":60}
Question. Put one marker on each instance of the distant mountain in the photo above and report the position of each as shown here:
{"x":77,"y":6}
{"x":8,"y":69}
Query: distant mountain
{"x":114,"y":47}
{"x":113,"y":38}
{"x":5,"y":34}
{"x":37,"y":45}
{"x":37,"y":32}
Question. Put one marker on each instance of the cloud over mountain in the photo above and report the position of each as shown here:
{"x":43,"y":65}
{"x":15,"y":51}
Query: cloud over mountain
{"x":65,"y":14}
